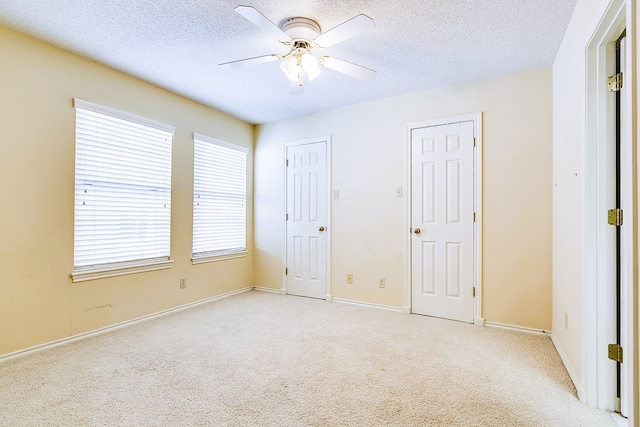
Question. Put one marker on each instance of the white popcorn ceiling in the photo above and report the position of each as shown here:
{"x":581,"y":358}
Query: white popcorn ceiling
{"x":416,"y":45}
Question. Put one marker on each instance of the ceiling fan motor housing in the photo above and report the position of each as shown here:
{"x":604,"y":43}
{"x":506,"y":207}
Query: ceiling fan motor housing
{"x":301,"y":29}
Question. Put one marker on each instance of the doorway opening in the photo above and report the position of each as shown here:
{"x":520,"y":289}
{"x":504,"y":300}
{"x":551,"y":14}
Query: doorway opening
{"x":610,"y":219}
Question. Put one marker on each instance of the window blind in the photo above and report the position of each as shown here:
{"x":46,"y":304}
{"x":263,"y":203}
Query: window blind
{"x":122,"y":189}
{"x":219,"y":197}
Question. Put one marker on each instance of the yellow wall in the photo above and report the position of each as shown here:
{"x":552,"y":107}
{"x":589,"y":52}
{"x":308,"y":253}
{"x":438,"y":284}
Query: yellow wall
{"x":368,"y":220}
{"x":38,"y":302}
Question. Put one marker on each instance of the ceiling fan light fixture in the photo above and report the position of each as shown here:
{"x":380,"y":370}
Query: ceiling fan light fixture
{"x":299,"y":63}
{"x":311,"y":65}
{"x":294,"y":75}
{"x":302,"y":36}
{"x":288,"y":64}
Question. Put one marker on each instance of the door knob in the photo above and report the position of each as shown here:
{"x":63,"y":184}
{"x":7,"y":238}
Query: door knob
{"x":321,"y":228}
{"x":417,"y":231}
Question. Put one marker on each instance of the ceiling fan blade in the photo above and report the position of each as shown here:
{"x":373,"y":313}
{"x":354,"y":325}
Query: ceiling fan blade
{"x":351,"y":28}
{"x":348,"y":68}
{"x":262,"y":22}
{"x":249,"y":61}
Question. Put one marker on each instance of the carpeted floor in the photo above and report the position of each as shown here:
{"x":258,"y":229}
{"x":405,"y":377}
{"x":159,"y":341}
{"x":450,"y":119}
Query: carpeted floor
{"x":260,"y":359}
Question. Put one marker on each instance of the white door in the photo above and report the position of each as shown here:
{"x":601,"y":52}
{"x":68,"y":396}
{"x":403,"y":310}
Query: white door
{"x":442,"y":221}
{"x":307,"y":206}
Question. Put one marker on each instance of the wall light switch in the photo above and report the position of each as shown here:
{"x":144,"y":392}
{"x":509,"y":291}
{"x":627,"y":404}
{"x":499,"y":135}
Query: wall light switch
{"x":398,"y":191}
{"x":336,"y":194}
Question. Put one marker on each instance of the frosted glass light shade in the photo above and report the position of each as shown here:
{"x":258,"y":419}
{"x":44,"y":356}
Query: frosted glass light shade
{"x":310,"y":65}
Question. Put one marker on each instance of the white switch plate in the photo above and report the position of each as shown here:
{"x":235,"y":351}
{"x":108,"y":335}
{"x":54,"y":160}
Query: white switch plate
{"x":336,"y":194}
{"x":398,"y":191}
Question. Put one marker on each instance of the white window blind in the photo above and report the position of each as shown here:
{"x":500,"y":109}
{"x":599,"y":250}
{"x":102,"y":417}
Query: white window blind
{"x":123,"y":190}
{"x":219,"y":197}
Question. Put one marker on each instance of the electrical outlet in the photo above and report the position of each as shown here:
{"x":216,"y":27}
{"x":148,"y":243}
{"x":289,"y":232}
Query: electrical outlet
{"x":183,"y":283}
{"x":566,"y":320}
{"x":381,"y":282}
{"x":349,"y":279}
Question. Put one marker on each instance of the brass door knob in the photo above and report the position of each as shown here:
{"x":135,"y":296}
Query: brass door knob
{"x":321,"y":228}
{"x":417,"y":231}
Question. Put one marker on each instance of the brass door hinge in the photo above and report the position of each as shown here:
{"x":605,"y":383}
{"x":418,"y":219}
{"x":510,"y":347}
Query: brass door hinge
{"x":286,"y":271}
{"x":474,"y":292}
{"x":614,"y":83}
{"x":615,"y":352}
{"x":286,"y":217}
{"x":474,"y":141}
{"x":474,"y":217}
{"x":287,"y":162}
{"x":614,"y":217}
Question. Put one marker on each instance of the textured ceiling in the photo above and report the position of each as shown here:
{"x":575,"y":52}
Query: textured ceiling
{"x":416,"y":45}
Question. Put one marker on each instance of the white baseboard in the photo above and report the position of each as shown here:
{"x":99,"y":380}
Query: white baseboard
{"x":579,"y":389}
{"x":270,"y":290}
{"x":367,"y":304}
{"x":516,"y":328}
{"x":111,"y":328}
{"x":478,"y":321}
{"x":406,"y":309}
{"x":328,"y":298}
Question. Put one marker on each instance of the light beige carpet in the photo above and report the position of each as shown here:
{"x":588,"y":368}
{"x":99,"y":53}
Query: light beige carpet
{"x":259,"y":359}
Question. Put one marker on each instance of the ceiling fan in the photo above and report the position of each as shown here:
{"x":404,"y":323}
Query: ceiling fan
{"x":303,"y":36}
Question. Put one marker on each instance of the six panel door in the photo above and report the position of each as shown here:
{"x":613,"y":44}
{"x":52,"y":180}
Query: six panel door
{"x":442,"y":221}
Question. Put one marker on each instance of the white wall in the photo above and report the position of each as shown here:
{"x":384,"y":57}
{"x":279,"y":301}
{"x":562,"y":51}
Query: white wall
{"x":570,"y":210}
{"x":368,"y":220}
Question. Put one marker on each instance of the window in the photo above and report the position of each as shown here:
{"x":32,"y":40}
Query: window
{"x":219,"y":199}
{"x":122,"y":221}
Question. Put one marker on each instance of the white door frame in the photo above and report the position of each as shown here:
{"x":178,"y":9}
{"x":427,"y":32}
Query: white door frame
{"x":285,"y":146}
{"x":477,"y":207}
{"x":599,"y":309}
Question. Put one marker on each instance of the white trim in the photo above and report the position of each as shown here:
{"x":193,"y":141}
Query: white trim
{"x":477,"y":119}
{"x":268,"y":290}
{"x":216,"y":141}
{"x":213,"y":258}
{"x":516,"y":328}
{"x":79,"y":337}
{"x":328,"y":149}
{"x":283,"y":290}
{"x":367,"y":304}
{"x":97,"y":108}
{"x":579,"y":388}
{"x":478,"y":197}
{"x":479,"y":321}
{"x":120,"y":270}
{"x":598,"y":321}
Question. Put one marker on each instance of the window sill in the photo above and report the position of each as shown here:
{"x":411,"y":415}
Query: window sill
{"x":213,"y":258}
{"x":102,"y":273}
